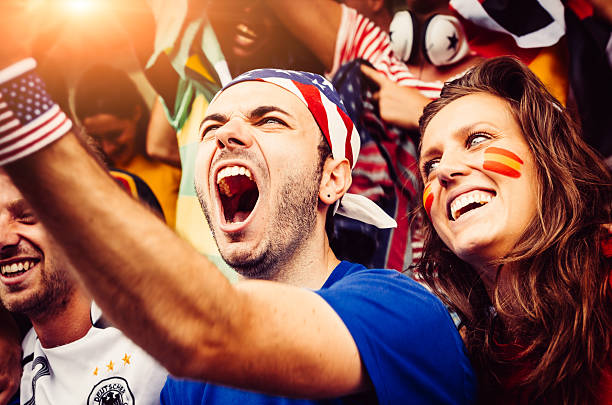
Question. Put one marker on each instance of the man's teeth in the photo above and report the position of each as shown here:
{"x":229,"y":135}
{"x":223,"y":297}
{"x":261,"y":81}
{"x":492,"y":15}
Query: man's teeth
{"x":233,"y":171}
{"x":228,"y":172}
{"x":11,"y":269}
{"x":464,"y":200}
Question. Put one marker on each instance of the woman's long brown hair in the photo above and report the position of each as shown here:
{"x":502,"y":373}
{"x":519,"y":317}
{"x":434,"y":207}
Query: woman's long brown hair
{"x":545,"y":336}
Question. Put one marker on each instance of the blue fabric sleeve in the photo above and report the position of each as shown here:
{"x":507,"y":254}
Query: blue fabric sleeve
{"x":14,"y":400}
{"x":406,"y":338}
{"x":177,"y":391}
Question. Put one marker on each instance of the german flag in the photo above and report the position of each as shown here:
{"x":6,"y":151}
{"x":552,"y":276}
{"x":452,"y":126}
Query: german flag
{"x":428,"y":199}
{"x":502,"y":161}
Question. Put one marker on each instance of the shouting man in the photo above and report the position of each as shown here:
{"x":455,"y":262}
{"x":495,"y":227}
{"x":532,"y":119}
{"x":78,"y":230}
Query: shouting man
{"x":273,"y":167}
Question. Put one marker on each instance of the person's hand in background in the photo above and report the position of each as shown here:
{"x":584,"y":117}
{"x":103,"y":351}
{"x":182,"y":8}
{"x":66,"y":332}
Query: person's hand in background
{"x":398,"y":105}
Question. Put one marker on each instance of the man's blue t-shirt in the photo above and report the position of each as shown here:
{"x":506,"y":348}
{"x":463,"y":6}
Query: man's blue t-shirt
{"x":405,"y":336}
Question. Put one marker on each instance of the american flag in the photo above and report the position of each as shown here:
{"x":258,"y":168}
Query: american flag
{"x":29,"y":119}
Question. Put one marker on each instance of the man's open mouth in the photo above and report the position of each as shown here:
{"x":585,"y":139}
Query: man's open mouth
{"x":17,"y":267}
{"x":238,"y":193}
{"x":467,"y":202}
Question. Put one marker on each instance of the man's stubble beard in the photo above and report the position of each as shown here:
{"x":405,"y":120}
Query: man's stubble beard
{"x":57,"y":290}
{"x":291,"y":226}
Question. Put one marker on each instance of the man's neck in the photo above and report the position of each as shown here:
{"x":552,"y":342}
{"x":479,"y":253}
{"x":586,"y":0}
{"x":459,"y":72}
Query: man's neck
{"x":309,"y":272}
{"x":311,"y":264}
{"x":65,"y":325}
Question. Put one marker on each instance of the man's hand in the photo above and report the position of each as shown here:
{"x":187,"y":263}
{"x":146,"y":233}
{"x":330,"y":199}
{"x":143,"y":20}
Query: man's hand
{"x":10,"y":358}
{"x":398,"y":105}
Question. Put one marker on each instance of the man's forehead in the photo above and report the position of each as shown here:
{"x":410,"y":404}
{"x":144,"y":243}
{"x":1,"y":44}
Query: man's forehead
{"x":257,"y":90}
{"x":247,"y":96}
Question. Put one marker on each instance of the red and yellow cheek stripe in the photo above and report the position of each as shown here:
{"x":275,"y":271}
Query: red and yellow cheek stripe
{"x":502,"y":161}
{"x":428,"y":199}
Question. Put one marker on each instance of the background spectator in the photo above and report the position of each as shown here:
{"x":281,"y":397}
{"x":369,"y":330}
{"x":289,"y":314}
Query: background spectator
{"x":114,"y":113}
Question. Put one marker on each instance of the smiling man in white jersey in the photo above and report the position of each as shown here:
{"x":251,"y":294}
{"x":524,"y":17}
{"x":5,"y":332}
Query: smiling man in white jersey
{"x":71,"y":355}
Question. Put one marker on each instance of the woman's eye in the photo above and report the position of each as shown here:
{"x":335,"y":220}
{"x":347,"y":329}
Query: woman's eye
{"x":429,"y":167}
{"x":476,"y":139}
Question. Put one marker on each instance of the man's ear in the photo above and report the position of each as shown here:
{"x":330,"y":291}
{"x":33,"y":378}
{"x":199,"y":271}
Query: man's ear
{"x":335,"y":181}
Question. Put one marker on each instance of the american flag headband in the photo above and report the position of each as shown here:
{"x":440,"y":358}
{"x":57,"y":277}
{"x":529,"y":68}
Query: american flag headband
{"x":324,"y":103}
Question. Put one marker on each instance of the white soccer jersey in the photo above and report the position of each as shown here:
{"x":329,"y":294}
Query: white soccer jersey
{"x":103,"y":367}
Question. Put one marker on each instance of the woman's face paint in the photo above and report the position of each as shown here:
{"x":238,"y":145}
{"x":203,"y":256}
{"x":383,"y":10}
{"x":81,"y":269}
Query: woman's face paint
{"x":428,"y":199}
{"x":502,"y":161}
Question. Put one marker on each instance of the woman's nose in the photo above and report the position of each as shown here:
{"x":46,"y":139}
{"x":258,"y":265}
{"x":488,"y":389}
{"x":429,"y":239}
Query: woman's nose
{"x":451,"y":167}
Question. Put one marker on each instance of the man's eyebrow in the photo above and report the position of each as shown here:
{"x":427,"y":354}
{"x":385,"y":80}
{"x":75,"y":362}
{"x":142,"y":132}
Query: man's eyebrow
{"x":215,"y":117}
{"x":265,"y":109}
{"x":18,"y":206}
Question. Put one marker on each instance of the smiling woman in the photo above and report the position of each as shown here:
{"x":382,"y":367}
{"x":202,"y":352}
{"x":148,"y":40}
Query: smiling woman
{"x":519,"y":208}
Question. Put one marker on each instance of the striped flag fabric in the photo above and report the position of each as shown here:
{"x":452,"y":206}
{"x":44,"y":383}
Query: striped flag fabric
{"x":29,"y":119}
